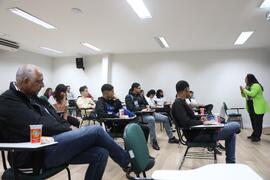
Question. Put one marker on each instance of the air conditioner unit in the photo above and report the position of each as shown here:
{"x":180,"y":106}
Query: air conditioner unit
{"x":7,"y":45}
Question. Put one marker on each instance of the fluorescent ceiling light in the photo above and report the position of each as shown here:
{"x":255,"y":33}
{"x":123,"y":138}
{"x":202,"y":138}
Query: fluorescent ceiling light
{"x":268,"y":16}
{"x":90,"y":46}
{"x":52,"y":50}
{"x":265,"y":4}
{"x":140,"y":9}
{"x":162,"y":42}
{"x":3,"y":34}
{"x":31,"y":18}
{"x":243,"y":37}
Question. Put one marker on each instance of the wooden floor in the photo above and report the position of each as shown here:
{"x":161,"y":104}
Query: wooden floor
{"x":255,"y":155}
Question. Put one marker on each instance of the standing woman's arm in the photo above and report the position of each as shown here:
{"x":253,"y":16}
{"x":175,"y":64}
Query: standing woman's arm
{"x":255,"y":88}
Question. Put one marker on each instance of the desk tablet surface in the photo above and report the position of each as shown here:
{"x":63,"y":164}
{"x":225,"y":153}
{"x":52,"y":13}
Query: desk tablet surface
{"x":24,"y":145}
{"x":211,"y":171}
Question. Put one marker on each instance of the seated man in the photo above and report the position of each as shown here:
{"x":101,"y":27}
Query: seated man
{"x":108,"y":106}
{"x":191,"y":101}
{"x":20,"y":107}
{"x":70,"y":94}
{"x":136,"y":102}
{"x":186,"y":118}
{"x":84,"y":102}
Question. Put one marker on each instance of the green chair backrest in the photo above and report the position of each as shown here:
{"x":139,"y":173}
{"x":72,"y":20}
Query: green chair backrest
{"x":136,"y":144}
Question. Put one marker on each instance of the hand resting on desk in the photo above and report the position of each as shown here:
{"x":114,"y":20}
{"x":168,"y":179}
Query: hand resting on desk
{"x":210,"y":122}
{"x":46,"y":140}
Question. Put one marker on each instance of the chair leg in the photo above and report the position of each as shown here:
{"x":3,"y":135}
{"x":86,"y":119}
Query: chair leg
{"x":184,"y":157}
{"x":144,"y":174}
{"x":215,"y":155}
{"x":68,"y":172}
{"x":4,"y":160}
{"x":241,"y":123}
{"x":81,"y":123}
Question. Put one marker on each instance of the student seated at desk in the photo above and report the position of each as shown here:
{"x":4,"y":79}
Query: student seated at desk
{"x":85,"y":102}
{"x":150,"y":98}
{"x":47,"y":94}
{"x":136,"y":102}
{"x":191,"y":101}
{"x":160,"y":99}
{"x":60,"y":104}
{"x":108,"y":106}
{"x":186,"y":118}
{"x":70,"y":94}
{"x":20,"y":107}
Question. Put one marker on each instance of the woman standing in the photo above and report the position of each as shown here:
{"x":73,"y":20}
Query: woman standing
{"x":256,"y":105}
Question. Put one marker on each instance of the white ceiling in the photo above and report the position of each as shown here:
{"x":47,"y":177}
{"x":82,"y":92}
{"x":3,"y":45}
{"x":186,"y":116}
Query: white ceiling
{"x":112,"y":25}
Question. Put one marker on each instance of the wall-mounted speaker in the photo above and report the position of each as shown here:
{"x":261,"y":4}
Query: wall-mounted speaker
{"x":79,"y":63}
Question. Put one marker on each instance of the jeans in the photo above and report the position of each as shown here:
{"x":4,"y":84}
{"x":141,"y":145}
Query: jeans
{"x":228,"y":134}
{"x":87,"y":145}
{"x":157,"y":117}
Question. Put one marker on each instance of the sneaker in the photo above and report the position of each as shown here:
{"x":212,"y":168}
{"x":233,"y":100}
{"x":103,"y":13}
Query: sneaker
{"x":155,"y":145}
{"x":173,"y":140}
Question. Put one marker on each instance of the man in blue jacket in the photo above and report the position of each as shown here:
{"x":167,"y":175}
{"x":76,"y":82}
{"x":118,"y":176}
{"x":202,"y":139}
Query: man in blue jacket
{"x":136,"y":102}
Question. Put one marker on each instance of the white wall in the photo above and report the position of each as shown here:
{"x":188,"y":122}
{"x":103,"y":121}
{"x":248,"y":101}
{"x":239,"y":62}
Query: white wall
{"x":214,"y":76}
{"x":11,"y":61}
{"x":65,"y":72}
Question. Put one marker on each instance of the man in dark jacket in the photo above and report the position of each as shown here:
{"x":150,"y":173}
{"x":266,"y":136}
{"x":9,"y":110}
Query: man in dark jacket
{"x":108,"y":106}
{"x":136,"y":102}
{"x":185,"y":118}
{"x":20,"y":107}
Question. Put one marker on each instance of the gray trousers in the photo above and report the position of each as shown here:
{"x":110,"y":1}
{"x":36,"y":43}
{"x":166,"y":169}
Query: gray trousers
{"x":152,"y":119}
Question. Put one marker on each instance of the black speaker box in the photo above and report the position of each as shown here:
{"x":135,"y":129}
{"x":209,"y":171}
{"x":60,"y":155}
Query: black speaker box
{"x":79,"y":63}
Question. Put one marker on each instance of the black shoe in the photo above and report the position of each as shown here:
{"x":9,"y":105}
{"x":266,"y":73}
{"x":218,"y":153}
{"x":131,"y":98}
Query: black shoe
{"x":173,"y":140}
{"x":127,"y":169}
{"x":155,"y":145}
{"x":220,"y":146}
{"x":250,"y":137}
{"x":253,"y":139}
{"x":173,"y":130}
